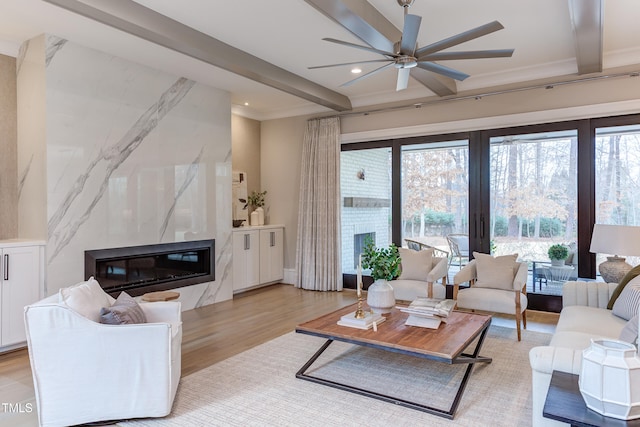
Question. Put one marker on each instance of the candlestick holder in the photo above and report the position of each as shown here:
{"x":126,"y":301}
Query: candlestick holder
{"x":361,"y":319}
{"x":360,"y":314}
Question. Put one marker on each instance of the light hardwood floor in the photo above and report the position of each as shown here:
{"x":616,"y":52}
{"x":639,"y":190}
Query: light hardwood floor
{"x":216,"y":332}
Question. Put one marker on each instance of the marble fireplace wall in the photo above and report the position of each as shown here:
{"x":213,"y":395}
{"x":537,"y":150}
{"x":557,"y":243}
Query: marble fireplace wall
{"x":126,"y":156}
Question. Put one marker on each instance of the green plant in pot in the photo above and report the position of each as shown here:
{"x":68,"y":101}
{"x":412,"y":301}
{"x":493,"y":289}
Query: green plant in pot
{"x":384,"y":264}
{"x":557,"y":254}
{"x":256,"y":201}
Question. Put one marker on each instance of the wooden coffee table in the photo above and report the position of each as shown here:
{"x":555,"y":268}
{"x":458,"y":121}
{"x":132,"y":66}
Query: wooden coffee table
{"x":445,"y":344}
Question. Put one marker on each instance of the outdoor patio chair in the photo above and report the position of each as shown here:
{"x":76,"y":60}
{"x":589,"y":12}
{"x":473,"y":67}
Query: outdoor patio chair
{"x":459,"y":245}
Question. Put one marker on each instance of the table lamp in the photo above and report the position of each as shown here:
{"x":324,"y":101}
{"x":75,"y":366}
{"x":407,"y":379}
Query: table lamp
{"x":617,"y":240}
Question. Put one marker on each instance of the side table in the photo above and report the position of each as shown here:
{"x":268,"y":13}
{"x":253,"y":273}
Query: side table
{"x":565,"y":403}
{"x":160,"y":296}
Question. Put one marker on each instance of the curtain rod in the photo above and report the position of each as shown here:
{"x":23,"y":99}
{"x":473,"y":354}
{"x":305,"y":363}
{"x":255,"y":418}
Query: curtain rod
{"x":482,"y":95}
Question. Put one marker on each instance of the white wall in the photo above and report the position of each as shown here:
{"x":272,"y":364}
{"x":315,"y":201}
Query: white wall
{"x":280,"y":160}
{"x":8,"y":149}
{"x":125,"y":155}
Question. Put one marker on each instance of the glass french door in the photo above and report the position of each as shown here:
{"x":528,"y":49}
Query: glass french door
{"x":617,"y":166}
{"x":435,"y":197}
{"x":533,"y":203}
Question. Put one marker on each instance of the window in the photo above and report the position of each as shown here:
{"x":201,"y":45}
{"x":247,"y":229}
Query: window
{"x":534,"y":201}
{"x":365,"y":185}
{"x":435,"y":192}
{"x":617,"y":165}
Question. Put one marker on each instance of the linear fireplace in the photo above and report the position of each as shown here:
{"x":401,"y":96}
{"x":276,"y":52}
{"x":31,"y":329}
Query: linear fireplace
{"x":141,"y":269}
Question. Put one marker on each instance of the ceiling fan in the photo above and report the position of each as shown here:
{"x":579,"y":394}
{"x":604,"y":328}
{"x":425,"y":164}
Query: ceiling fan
{"x":407,"y":55}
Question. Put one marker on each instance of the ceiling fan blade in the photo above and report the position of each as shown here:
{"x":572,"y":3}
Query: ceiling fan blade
{"x":410,"y":34}
{"x":471,"y":54}
{"x":347,"y":63}
{"x":441,"y":69}
{"x":403,"y":78}
{"x":369,"y":74}
{"x":357,"y":46}
{"x":474,"y":33}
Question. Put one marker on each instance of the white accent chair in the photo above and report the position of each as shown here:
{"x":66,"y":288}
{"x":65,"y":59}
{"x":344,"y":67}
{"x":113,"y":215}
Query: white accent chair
{"x":420,"y":274}
{"x":85,"y":371}
{"x":488,"y":292}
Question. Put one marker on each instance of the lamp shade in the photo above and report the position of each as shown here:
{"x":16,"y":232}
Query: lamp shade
{"x":615,"y":240}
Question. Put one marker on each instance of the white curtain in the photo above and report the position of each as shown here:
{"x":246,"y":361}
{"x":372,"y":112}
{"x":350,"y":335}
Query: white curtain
{"x":318,"y":252}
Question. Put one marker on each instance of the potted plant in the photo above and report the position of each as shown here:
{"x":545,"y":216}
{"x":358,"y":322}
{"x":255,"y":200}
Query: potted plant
{"x":557,"y":254}
{"x":256,"y":201}
{"x":384,"y":264}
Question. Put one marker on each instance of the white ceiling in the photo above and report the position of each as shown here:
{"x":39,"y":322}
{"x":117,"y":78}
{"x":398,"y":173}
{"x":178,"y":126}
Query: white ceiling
{"x":288,"y":33}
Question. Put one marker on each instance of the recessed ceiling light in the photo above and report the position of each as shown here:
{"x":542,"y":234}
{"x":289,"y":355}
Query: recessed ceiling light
{"x":246,"y":104}
{"x":356,"y":70}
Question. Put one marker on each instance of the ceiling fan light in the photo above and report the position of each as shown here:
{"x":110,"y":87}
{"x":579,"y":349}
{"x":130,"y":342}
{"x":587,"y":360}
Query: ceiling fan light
{"x":405,"y":62}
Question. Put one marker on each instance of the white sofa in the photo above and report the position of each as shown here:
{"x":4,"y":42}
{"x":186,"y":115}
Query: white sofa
{"x":85,"y":371}
{"x":584,"y":316}
{"x":409,"y":290}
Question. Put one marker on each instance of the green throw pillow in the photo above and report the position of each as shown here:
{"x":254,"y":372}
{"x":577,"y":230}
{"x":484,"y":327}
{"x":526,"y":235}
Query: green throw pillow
{"x":635,"y":271}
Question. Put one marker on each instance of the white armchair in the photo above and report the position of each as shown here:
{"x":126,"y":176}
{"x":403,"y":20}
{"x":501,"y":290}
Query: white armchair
{"x":85,"y":371}
{"x":500,"y":287}
{"x":420,"y":274}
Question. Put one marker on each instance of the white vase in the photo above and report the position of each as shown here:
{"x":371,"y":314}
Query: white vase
{"x":255,"y":218}
{"x":610,"y":379}
{"x":557,"y":262}
{"x":380,"y":297}
{"x":260,"y":216}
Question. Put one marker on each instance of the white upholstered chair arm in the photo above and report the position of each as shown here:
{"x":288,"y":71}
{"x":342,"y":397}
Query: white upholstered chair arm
{"x":467,"y":273}
{"x":162,"y":311}
{"x":520,"y":281}
{"x":590,"y":294}
{"x":544,"y":360}
{"x":439,"y":270}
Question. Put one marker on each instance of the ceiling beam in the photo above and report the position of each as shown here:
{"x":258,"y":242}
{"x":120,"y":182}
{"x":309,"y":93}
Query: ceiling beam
{"x":135,"y":19}
{"x":587,"y":21}
{"x":365,"y":22}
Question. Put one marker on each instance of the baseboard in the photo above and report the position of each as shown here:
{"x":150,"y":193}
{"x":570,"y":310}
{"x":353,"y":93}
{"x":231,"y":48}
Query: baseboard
{"x":290,"y":276}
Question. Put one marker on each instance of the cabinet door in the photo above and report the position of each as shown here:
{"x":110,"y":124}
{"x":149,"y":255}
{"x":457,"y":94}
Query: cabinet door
{"x":271,"y":255}
{"x":246,"y":260}
{"x":20,"y":287}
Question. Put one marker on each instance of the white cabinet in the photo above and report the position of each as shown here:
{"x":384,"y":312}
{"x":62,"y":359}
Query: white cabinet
{"x":21,"y":284}
{"x":271,"y":255}
{"x":246,"y":259}
{"x":258,"y":256}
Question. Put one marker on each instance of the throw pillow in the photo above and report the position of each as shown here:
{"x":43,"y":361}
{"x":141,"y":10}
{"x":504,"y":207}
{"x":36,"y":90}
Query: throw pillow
{"x":416,"y":265}
{"x":495,"y":272}
{"x":635,"y":271}
{"x":630,"y":331}
{"x":85,"y":298}
{"x":626,"y":306}
{"x":125,"y":310}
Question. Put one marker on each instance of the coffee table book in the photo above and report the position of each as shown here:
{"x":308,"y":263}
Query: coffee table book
{"x":431,"y":322}
{"x":427,"y":312}
{"x":366,"y":323}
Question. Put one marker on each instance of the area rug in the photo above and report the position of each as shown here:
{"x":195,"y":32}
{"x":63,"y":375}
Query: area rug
{"x":259,"y":388}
